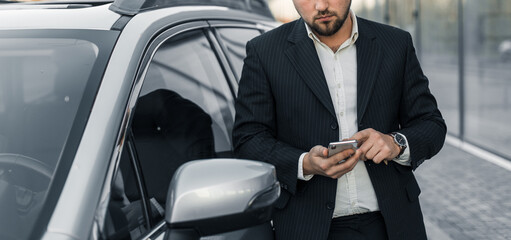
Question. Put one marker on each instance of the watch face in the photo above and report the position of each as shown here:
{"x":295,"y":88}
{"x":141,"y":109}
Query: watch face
{"x":400,"y":140}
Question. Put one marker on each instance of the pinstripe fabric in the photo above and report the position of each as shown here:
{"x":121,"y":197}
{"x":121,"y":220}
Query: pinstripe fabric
{"x":284,"y":108}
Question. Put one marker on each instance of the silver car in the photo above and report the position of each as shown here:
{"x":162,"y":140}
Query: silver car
{"x":116,"y":118}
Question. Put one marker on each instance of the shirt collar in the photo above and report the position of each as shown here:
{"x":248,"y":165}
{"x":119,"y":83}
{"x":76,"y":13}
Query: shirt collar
{"x":354,"y":30}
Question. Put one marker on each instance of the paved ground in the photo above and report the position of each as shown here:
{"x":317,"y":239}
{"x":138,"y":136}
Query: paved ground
{"x":464,"y":197}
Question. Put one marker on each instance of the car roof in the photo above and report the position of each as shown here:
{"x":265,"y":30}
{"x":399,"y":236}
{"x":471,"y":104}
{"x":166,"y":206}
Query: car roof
{"x":56,"y":16}
{"x":130,"y":7}
{"x":76,"y":14}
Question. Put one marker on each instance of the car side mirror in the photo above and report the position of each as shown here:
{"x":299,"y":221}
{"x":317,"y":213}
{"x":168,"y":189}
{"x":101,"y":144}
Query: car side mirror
{"x":214,"y":196}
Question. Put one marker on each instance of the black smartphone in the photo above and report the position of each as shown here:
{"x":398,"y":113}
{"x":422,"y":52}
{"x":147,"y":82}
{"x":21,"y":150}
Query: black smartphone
{"x":336,"y":147}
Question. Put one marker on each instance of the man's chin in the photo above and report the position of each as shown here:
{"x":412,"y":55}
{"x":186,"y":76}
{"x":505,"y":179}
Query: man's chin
{"x":324,"y":30}
{"x":327,"y":28}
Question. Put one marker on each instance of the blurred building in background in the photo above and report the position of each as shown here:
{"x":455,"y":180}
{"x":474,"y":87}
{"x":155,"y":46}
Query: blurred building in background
{"x":283,"y":10}
{"x":465,"y":50}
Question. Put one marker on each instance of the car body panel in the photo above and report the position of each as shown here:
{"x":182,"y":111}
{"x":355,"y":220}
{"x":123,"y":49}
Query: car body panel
{"x":38,"y":18}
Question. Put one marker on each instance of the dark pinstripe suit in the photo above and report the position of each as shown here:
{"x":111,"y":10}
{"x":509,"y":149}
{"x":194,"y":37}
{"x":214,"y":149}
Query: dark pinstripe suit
{"x":284,"y":108}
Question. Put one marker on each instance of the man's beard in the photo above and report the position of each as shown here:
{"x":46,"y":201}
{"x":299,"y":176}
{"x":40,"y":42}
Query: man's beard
{"x":328,"y":31}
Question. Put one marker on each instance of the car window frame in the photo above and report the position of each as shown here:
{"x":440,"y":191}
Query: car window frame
{"x":217,"y":47}
{"x":222,"y":47}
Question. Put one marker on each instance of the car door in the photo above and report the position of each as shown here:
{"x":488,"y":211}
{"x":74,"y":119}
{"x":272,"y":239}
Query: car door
{"x":184,"y":110}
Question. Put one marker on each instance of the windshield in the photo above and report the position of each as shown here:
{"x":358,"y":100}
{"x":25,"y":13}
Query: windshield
{"x":46,"y":82}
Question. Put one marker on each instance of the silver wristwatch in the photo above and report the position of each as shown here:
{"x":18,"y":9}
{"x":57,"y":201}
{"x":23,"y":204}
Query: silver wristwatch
{"x":400,"y":140}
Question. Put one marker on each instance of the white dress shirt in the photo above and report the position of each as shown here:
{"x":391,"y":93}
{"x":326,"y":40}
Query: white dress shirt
{"x":355,"y":192}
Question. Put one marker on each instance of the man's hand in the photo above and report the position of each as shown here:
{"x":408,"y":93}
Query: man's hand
{"x":317,"y":162}
{"x":376,"y":145}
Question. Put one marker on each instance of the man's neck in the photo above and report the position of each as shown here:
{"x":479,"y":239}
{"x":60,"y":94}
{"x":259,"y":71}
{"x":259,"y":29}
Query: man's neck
{"x":334,"y":41}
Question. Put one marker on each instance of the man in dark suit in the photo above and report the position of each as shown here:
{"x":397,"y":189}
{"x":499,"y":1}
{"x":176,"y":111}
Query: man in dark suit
{"x":330,"y":76}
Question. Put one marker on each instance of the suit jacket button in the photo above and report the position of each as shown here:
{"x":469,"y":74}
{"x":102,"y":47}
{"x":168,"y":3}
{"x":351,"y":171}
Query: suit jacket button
{"x":330,"y":205}
{"x":333,"y":126}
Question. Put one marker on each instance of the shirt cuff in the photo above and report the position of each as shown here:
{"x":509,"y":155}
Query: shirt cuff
{"x":404,"y":159}
{"x":300,"y":169}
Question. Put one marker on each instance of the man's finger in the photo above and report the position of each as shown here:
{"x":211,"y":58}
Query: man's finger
{"x":379,"y":158}
{"x":372,"y":153}
{"x":360,"y":154}
{"x":359,"y":136}
{"x":342,"y":155}
{"x":347,"y":165}
{"x":320,"y":151}
{"x":354,"y":160}
{"x":365,"y":148}
{"x":362,"y":135}
{"x":340,"y":169}
{"x":325,"y":152}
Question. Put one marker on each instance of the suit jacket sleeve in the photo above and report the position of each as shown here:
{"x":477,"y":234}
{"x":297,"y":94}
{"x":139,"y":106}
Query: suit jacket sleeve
{"x":421,"y":121}
{"x":255,"y":126}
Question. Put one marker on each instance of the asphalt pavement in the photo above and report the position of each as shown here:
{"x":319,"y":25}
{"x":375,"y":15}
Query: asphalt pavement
{"x":465,"y":196}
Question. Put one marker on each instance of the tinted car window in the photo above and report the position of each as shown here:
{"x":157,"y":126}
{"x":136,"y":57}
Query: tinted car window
{"x":184,"y":112}
{"x":187,"y":66}
{"x":235,"y":40}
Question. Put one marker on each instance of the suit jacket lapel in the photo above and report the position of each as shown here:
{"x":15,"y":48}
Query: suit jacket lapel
{"x":369,"y":59}
{"x":304,"y":58}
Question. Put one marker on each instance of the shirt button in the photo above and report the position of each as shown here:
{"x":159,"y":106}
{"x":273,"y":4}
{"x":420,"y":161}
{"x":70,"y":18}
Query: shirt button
{"x":330,"y":205}
{"x":353,"y":204}
{"x":342,"y":114}
{"x":333,"y":126}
